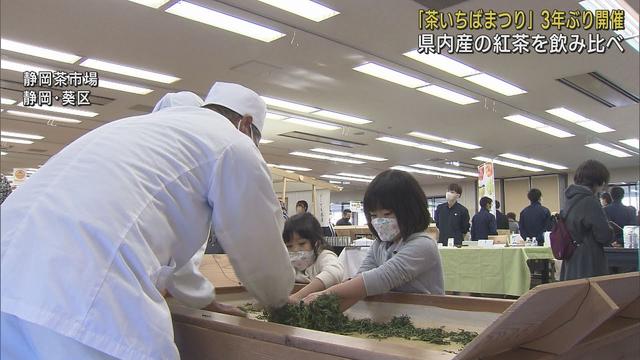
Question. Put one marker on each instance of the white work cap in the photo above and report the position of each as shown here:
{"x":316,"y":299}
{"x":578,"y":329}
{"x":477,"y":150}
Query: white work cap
{"x":240,"y":99}
{"x":182,"y":98}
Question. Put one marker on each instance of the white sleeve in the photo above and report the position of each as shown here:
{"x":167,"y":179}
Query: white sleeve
{"x":189,"y":286}
{"x":248,"y":222}
{"x":330,"y":269}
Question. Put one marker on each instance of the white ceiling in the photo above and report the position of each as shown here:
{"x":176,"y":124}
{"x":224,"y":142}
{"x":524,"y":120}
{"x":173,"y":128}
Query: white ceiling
{"x":312,"y":65}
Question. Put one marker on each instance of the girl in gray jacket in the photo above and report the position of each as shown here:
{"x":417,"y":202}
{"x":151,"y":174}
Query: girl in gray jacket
{"x":403,"y":257}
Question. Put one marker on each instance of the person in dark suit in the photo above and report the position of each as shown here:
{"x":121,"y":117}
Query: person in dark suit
{"x":619,"y":214}
{"x":346,"y":217}
{"x":483,"y":223}
{"x":502,"y":221}
{"x":535,"y":219}
{"x":452,"y":219}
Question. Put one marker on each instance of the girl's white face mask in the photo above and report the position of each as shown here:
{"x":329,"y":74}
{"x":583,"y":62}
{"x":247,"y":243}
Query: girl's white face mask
{"x":387,"y":228}
{"x":301,"y":259}
{"x":450,"y":196}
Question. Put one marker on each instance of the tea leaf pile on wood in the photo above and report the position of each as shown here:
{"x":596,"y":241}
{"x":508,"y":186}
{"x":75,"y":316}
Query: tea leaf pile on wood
{"x":324,"y":314}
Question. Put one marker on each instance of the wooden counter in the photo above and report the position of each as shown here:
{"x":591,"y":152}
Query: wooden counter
{"x":593,"y":318}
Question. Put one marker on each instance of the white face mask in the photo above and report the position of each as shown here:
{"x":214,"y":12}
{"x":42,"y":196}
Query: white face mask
{"x":451,"y":196}
{"x":301,"y":259}
{"x":387,"y":228}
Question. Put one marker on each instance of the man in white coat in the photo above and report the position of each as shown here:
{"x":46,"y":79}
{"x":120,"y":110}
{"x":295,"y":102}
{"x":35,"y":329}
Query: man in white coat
{"x":91,"y":241}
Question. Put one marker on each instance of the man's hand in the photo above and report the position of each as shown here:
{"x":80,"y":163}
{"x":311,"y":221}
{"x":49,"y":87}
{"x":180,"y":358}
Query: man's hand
{"x":294,"y":300}
{"x":225,"y":309}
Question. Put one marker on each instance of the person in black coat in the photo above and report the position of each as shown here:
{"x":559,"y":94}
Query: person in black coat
{"x":535,"y":219}
{"x":587,"y":223}
{"x":452,"y":219}
{"x":502,"y":222}
{"x":483,"y":223}
{"x":619,"y":214}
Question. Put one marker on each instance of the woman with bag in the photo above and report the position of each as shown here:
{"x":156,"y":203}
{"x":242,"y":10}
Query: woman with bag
{"x":587,"y":223}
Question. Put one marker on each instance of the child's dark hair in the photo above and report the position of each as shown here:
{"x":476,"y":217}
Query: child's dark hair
{"x":399,"y":192}
{"x":307,"y":227}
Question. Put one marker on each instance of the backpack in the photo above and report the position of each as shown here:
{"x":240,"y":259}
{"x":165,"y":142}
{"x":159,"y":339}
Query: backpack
{"x":562,"y":244}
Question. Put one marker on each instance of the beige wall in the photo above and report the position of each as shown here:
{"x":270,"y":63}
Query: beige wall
{"x":515,"y":195}
{"x":549,"y":185}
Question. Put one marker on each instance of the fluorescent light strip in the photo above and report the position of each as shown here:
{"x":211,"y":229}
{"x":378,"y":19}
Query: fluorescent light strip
{"x":288,"y":105}
{"x":113,"y":85}
{"x":20,"y":67}
{"x":150,"y":3}
{"x":495,"y":84}
{"x":413,"y":144}
{"x":272,"y":116}
{"x":507,"y":163}
{"x":462,"y":144}
{"x":43,"y":117}
{"x":17,"y":141}
{"x":630,"y":30}
{"x":312,"y":124}
{"x":425,"y":136}
{"x":128,"y":71}
{"x":5,"y":101}
{"x":21,"y":135}
{"x":357,"y":176}
{"x":608,"y":150}
{"x":443,"y":63}
{"x":37,"y":51}
{"x":305,"y":8}
{"x":63,"y":110}
{"x":453,"y":171}
{"x":342,"y":117}
{"x":533,"y":124}
{"x":555,"y":132}
{"x":533,"y":161}
{"x":393,"y":76}
{"x":288,"y":167}
{"x":348,"y":154}
{"x":451,"y":142}
{"x":338,"y":177}
{"x":631,"y":142}
{"x":265,"y":141}
{"x":324,"y":157}
{"x":3,"y":153}
{"x":447,"y":94}
{"x":223,"y":21}
{"x":580,"y":120}
{"x":426,"y":172}
{"x":525,"y":121}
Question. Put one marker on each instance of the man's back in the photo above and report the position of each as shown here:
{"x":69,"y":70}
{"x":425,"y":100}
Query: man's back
{"x":102,"y":224}
{"x":535,"y":219}
{"x":621,"y":215}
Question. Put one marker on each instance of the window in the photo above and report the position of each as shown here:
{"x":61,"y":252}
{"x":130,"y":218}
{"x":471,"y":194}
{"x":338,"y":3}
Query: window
{"x":631,"y":196}
{"x":357,"y":218}
{"x":433,"y":202}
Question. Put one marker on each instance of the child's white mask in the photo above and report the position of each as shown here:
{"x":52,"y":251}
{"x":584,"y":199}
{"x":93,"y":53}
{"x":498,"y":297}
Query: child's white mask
{"x":387,"y":228}
{"x":301,"y":259}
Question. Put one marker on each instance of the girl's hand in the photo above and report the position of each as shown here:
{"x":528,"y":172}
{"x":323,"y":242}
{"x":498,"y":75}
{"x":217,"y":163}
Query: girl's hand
{"x":313,"y":296}
{"x":225,"y":309}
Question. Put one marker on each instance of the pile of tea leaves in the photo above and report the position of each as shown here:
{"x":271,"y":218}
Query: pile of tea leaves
{"x":324,"y":315}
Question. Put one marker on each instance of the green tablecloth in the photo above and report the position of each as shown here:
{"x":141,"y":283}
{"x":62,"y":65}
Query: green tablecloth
{"x":490,"y":270}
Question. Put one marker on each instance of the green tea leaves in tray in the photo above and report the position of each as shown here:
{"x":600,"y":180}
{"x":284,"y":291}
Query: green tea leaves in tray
{"x":324,"y":315}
